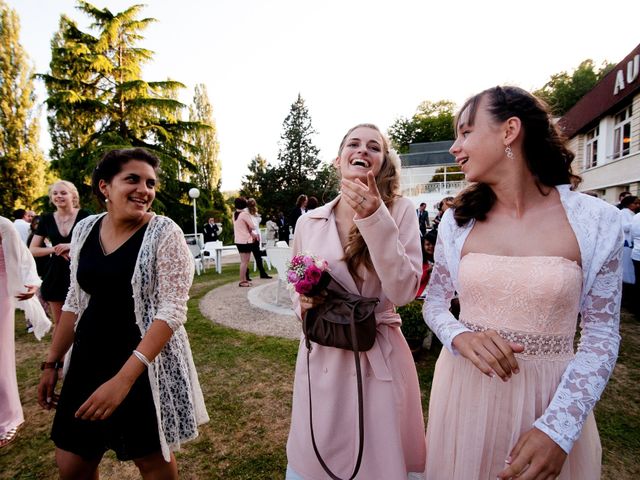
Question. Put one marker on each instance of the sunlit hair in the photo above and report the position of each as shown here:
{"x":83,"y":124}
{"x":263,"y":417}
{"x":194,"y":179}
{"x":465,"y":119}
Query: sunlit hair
{"x":300,"y":201}
{"x":75,"y":197}
{"x":543,"y":146}
{"x":252,"y":206}
{"x":356,"y":252}
{"x":112,"y":162}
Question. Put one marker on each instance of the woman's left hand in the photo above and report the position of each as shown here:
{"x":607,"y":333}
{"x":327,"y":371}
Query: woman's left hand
{"x":62,"y":250}
{"x":364,"y":199}
{"x":534,"y":457}
{"x":31,"y":291}
{"x":102,"y":403}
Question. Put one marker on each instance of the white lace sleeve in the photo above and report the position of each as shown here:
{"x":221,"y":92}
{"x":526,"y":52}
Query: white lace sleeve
{"x":174,"y":267}
{"x":440,"y":291}
{"x":586,"y":376}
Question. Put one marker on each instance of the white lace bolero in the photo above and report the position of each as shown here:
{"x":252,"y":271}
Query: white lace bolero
{"x":161,"y":282}
{"x":598,"y":230}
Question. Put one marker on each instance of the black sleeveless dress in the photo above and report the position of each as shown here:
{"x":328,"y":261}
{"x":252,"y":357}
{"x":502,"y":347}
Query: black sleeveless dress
{"x":55,"y":281}
{"x":106,"y":335}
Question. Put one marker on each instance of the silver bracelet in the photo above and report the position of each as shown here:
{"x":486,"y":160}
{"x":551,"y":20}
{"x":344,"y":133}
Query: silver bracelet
{"x":140,"y":356}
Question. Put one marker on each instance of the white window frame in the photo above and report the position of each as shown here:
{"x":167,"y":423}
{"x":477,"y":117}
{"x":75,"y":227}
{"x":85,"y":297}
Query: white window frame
{"x":591,"y":148}
{"x":623,"y":122}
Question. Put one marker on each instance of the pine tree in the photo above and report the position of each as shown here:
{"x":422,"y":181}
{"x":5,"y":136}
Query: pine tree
{"x":298,"y":157}
{"x":22,"y":165}
{"x":96,"y":78}
{"x":252,"y":183}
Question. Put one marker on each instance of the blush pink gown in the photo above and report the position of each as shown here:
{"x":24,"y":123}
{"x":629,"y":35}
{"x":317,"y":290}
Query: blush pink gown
{"x":474,"y":420}
{"x":10,"y":408}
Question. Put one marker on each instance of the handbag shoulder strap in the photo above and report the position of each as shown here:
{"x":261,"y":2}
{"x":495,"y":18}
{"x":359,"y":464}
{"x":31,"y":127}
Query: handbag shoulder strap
{"x":356,"y":354}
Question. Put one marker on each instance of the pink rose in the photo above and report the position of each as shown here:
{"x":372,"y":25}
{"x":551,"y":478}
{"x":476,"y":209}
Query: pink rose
{"x":308,"y":261}
{"x":292,"y":276}
{"x":313,"y":274}
{"x":303,"y":287}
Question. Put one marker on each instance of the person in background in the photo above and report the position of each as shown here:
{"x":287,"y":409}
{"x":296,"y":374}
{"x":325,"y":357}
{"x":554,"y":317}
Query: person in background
{"x":635,"y":258}
{"x":283,"y":228}
{"x":19,"y":282}
{"x":22,"y":223}
{"x":42,"y":263}
{"x":369,"y":237}
{"x":527,"y":255}
{"x":252,"y":208}
{"x":244,"y":236}
{"x":428,"y":247}
{"x":57,"y":228}
{"x":423,"y":218}
{"x":211,"y":231}
{"x":130,"y":383}
{"x":297,"y":211}
{"x":443,"y":206}
{"x":621,"y":197}
{"x":629,"y":207}
{"x":312,"y":203}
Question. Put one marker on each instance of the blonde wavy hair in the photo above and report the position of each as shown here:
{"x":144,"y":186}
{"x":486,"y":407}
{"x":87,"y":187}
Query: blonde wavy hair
{"x":356,"y":252}
{"x":75,"y":196}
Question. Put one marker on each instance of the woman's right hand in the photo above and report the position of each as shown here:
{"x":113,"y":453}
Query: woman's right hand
{"x":307,"y":303}
{"x":47,"y":398}
{"x":489,"y":352}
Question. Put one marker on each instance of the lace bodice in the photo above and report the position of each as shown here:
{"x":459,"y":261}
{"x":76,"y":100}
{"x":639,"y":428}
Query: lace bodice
{"x":599,"y":233}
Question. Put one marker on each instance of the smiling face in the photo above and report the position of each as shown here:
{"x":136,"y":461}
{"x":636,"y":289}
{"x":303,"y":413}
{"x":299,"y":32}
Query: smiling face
{"x":62,"y":195}
{"x":132,"y":190}
{"x":361,"y":151}
{"x":479,"y":147}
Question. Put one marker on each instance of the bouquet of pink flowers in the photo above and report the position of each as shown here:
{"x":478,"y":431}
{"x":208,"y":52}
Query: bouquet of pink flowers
{"x":307,"y":274}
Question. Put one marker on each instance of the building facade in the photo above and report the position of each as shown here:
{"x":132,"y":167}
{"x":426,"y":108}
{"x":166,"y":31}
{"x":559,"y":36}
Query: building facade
{"x":604,"y":132}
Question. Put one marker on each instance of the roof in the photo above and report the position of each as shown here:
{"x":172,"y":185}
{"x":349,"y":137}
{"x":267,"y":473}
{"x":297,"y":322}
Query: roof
{"x":430,"y":153}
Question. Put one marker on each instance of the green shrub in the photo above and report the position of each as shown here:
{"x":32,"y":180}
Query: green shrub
{"x":413,"y":324}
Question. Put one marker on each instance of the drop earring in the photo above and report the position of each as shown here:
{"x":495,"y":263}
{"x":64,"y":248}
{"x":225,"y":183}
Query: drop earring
{"x":509,"y":152}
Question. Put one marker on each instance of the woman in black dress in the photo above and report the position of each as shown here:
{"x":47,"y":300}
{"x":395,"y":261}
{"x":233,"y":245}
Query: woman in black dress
{"x":131,"y":385}
{"x":57,"y":228}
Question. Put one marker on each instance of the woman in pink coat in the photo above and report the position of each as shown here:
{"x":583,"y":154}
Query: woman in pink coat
{"x":369,"y":236}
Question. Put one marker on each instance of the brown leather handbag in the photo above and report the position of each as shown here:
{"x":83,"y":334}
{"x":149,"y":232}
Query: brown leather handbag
{"x":344,"y":320}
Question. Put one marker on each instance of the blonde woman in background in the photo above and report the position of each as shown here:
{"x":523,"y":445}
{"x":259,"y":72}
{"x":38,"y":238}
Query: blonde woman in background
{"x":57,"y":228}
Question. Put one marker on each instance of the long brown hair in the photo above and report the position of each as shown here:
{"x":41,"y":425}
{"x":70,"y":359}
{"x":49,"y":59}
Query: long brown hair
{"x":356,"y":252}
{"x":543,"y":146}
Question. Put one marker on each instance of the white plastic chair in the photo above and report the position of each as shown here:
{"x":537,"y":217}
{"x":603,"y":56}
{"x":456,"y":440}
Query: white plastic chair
{"x":279,"y":257}
{"x":196,"y":253}
{"x":282,"y":244}
{"x":209,"y":252}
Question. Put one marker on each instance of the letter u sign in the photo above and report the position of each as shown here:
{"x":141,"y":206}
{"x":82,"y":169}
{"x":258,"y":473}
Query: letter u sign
{"x":633,"y":69}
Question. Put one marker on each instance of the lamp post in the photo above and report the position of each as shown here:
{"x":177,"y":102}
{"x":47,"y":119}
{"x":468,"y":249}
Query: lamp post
{"x":195,"y":193}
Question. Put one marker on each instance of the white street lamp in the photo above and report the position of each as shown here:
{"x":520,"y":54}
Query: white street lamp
{"x":194,"y":193}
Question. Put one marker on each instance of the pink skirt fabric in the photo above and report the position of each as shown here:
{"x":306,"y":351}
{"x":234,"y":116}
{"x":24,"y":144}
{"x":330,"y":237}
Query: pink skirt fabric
{"x":10,"y":408}
{"x":474,"y":420}
{"x":481,"y":419}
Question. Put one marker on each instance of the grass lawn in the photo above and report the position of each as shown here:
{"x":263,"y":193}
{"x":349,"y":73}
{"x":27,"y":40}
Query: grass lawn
{"x":247,"y":385}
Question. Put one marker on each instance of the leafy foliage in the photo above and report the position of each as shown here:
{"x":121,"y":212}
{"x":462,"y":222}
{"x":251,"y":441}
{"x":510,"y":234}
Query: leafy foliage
{"x":413,"y":324}
{"x":432,"y":122}
{"x":563,"y":90}
{"x":98,"y":101}
{"x":453,"y":174}
{"x":22,"y":164}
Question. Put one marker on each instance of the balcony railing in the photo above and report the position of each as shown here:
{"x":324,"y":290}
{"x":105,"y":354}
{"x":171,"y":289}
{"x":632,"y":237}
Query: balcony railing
{"x":444,"y":188}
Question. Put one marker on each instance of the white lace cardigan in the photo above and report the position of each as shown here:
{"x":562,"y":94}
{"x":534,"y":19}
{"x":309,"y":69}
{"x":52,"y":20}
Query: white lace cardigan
{"x":597,"y":227}
{"x":161,"y":282}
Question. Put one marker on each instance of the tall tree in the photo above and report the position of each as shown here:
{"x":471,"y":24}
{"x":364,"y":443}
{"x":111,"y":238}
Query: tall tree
{"x":298,"y":157}
{"x":252,"y":184}
{"x":208,"y":174}
{"x":432,"y":122}
{"x":563,"y":90}
{"x":22,"y":164}
{"x":97,"y":78}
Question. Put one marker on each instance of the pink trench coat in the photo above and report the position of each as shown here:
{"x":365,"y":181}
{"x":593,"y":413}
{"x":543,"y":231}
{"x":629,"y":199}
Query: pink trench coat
{"x":394,"y":442}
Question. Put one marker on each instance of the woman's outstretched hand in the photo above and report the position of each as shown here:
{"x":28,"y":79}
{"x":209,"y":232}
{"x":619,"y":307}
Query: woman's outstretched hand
{"x":364,"y":199}
{"x":102,"y":403}
{"x":488,"y":351}
{"x":535,"y":457}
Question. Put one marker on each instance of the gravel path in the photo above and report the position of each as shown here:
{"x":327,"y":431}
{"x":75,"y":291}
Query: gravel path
{"x":252,"y":309}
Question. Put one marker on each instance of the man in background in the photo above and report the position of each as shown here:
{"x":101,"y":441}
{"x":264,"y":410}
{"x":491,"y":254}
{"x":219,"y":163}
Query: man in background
{"x":423,"y":219}
{"x":22,"y":222}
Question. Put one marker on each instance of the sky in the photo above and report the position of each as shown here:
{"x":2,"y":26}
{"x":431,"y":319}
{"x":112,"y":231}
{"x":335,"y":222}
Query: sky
{"x":352,"y":61}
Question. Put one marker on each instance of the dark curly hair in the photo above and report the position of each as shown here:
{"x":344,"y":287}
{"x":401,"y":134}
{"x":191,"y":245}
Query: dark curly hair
{"x":543,"y":145}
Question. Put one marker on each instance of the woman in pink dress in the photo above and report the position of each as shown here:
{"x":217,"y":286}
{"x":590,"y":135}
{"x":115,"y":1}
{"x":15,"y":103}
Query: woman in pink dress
{"x":526,"y":255}
{"x":19,"y":282}
{"x":369,"y":236}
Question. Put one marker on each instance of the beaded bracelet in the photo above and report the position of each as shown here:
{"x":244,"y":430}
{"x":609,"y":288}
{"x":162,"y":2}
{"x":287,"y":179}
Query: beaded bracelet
{"x":140,"y":356}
